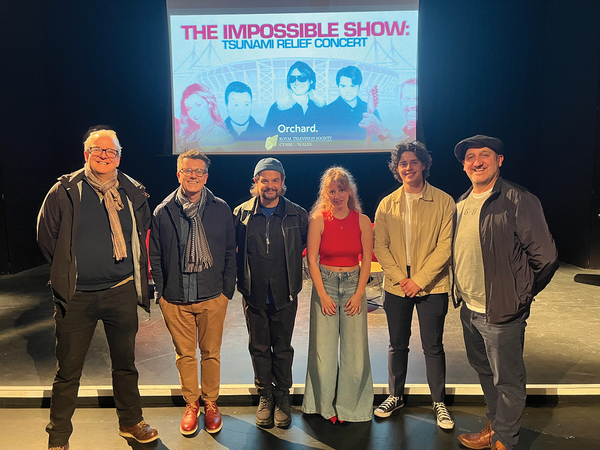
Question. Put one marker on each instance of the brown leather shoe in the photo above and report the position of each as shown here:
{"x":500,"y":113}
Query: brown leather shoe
{"x":498,"y":446}
{"x":142,"y":432}
{"x":189,"y":422}
{"x":477,"y":441}
{"x":212,"y":417}
{"x":61,"y":447}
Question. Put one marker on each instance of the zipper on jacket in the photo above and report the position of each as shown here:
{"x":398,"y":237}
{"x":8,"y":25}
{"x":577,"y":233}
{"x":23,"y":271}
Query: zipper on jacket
{"x":285,"y":250}
{"x":267,"y":233}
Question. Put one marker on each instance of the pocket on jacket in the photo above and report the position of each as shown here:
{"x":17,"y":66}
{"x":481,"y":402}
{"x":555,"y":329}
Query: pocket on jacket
{"x":252,"y":244}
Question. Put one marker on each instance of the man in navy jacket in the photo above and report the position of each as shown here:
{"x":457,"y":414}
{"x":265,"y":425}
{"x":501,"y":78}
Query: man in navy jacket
{"x":192,"y":258}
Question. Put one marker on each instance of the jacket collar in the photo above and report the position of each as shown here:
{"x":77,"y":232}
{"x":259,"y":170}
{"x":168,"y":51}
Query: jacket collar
{"x":170,"y":199}
{"x":426,"y":193}
{"x":70,"y":179}
{"x":495,"y":190}
{"x":252,"y":206}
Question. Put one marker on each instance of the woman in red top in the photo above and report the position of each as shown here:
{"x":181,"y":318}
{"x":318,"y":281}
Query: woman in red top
{"x":338,"y":233}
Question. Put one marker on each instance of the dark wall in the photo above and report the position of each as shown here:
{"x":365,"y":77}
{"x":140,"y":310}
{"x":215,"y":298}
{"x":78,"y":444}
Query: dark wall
{"x":480,"y":65}
{"x":26,"y":151}
{"x":484,"y":67}
{"x":570,"y":125}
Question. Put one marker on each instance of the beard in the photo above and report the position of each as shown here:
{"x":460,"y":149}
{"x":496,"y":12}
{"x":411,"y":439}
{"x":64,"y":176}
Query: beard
{"x":270,"y":194}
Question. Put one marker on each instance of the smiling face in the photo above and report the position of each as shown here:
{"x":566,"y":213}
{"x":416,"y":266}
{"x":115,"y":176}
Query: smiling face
{"x":298,"y":87}
{"x":239,"y":107}
{"x":410,"y":169}
{"x":270,"y":184}
{"x":409,"y":104}
{"x":348,"y":90}
{"x":197,"y":109}
{"x":482,"y":166}
{"x":338,"y":196}
{"x":192,"y":185}
{"x":102,"y":165}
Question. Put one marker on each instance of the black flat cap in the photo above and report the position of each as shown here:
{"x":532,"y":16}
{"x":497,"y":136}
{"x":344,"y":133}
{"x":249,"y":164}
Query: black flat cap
{"x":478,"y":141}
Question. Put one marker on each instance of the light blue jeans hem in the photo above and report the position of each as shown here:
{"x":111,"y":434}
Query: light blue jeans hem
{"x":367,"y":419}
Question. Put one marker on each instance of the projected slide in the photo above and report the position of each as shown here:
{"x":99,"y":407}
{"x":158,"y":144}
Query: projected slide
{"x":293,"y":83}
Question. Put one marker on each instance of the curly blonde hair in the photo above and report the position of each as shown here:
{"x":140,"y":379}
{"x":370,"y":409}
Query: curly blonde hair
{"x":344,"y":180}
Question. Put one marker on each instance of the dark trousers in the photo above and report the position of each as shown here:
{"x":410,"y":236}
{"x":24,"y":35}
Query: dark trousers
{"x":495,"y":351}
{"x":270,"y":345}
{"x":117,"y":308}
{"x":431,"y":311}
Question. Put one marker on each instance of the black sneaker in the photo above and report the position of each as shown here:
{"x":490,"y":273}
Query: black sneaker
{"x":283,"y":411}
{"x":443,"y":416}
{"x":390,"y":405}
{"x":264,"y":413}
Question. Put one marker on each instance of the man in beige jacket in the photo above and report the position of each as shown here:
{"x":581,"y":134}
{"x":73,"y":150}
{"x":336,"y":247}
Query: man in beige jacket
{"x":413,"y":233}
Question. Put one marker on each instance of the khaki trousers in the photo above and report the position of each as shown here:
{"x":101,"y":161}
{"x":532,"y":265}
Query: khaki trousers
{"x":195,"y":325}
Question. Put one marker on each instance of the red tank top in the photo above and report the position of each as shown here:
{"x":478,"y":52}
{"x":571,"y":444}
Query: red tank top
{"x":340,"y":241}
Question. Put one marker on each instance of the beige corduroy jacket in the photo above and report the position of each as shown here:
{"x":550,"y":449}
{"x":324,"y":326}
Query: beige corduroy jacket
{"x":431,"y":234}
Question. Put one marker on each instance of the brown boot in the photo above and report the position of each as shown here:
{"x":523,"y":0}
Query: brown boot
{"x":189,"y":422}
{"x":477,"y":441}
{"x":498,"y":446}
{"x":142,"y":432}
{"x":212,"y":417}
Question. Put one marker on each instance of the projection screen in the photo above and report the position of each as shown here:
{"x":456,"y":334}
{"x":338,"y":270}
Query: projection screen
{"x":303,"y":80}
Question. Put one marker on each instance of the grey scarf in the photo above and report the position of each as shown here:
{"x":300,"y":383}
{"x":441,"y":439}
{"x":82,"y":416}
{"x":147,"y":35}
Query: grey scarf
{"x":197,"y":251}
{"x":113,"y":204}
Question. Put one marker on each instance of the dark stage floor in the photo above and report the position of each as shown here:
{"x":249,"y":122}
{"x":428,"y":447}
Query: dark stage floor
{"x":561,"y":353}
{"x":561,"y":427}
{"x":561,"y":346}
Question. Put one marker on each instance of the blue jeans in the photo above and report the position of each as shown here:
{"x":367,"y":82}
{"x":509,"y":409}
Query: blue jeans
{"x":495,"y":351}
{"x":353,"y":401}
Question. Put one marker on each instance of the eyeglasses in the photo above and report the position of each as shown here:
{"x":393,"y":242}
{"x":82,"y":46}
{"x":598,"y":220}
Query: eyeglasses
{"x":110,"y":152}
{"x":405,"y":164}
{"x":198,"y":172}
{"x":300,"y":78}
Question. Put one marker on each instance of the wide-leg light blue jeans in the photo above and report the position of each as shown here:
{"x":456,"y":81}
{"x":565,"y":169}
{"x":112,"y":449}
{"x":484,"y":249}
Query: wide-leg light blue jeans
{"x":344,"y":390}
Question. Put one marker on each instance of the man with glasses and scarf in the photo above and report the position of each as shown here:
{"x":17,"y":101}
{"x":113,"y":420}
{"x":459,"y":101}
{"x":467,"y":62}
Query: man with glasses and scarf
{"x":192,"y":258}
{"x":92,"y":229}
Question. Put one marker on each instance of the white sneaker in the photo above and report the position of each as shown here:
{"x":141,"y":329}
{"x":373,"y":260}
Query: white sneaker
{"x":443,"y":416}
{"x":390,"y":405}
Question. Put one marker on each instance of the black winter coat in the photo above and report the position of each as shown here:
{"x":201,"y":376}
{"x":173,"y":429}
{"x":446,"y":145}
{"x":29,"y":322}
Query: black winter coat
{"x":519,"y":255}
{"x":57,"y":228}
{"x":165,"y":257}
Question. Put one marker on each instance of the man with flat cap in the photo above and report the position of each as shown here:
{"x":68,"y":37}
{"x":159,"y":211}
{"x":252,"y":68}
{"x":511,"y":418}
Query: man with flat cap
{"x":503,"y":256}
{"x":271,"y":235}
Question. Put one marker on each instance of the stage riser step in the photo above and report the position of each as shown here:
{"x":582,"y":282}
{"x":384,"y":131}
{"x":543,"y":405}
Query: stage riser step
{"x":246,"y":395}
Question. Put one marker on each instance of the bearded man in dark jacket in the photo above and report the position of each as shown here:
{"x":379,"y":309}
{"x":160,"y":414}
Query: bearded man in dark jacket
{"x":271,"y":235}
